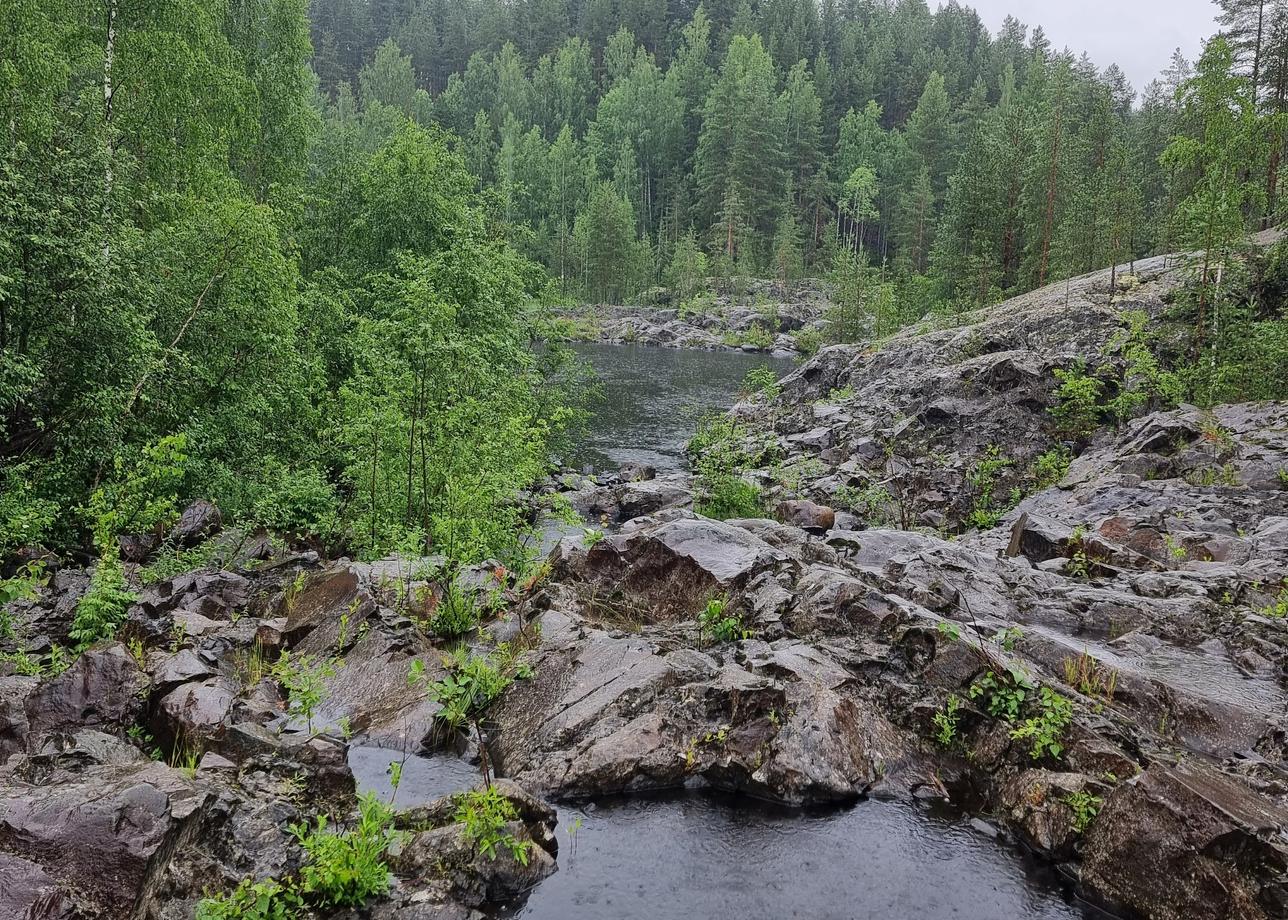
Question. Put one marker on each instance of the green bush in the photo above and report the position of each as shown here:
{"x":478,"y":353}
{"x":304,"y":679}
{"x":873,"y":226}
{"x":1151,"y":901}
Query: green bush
{"x":727,"y":497}
{"x":1077,"y":410}
{"x":484,"y":815}
{"x":344,"y":869}
{"x":1052,"y":466}
{"x":761,"y":381}
{"x":102,"y":607}
{"x":265,"y":900}
{"x":456,"y":613}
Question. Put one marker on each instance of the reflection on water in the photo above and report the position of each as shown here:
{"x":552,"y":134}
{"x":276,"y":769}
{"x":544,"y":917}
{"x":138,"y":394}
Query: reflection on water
{"x":698,"y":857}
{"x":654,"y":397}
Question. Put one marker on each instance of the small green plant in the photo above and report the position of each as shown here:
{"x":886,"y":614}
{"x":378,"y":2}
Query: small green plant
{"x":808,"y":341}
{"x":982,"y":478}
{"x":264,"y":900}
{"x":1283,"y":476}
{"x":949,"y":631}
{"x":840,"y":394}
{"x":717,"y":623}
{"x":25,"y":585}
{"x":485,"y":815}
{"x":172,"y":561}
{"x":947,"y":719}
{"x":1176,"y":550}
{"x":103,"y":606}
{"x":728,"y":497}
{"x":761,"y":381}
{"x":456,"y":613}
{"x":1045,"y":731}
{"x":302,"y":677}
{"x":1052,"y":466}
{"x":472,"y":683}
{"x":344,"y":869}
{"x":1278,"y":608}
{"x":1085,"y":807}
{"x":1009,"y":637}
{"x":1080,"y":559}
{"x":1003,"y":696}
{"x":1077,"y":411}
{"x":591,"y":536}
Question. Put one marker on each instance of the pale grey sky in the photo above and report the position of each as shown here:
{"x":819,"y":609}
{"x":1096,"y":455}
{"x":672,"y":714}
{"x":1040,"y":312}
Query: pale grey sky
{"x":1138,"y":35}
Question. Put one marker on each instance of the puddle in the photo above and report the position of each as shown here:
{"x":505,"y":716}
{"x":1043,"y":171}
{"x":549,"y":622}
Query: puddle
{"x":424,"y":779}
{"x":701,"y":857}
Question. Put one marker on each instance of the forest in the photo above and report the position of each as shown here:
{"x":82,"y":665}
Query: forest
{"x":290,"y":257}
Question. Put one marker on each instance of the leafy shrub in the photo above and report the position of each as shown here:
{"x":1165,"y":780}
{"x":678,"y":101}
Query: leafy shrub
{"x":25,"y":518}
{"x":1045,"y":730}
{"x":302,"y":677}
{"x":171,"y":561}
{"x":1052,"y":466}
{"x":761,"y":381}
{"x":719,"y":624}
{"x":1085,"y":807}
{"x":1077,"y":410}
{"x":456,"y":613}
{"x":484,"y":815}
{"x":982,"y":479}
{"x":808,"y":340}
{"x":473,"y":683}
{"x":946,"y":720}
{"x":297,"y":501}
{"x":1144,"y":381}
{"x":25,"y":585}
{"x":102,"y":607}
{"x":728,"y":497}
{"x":266,"y":900}
{"x":345,"y":869}
{"x":1003,"y":698}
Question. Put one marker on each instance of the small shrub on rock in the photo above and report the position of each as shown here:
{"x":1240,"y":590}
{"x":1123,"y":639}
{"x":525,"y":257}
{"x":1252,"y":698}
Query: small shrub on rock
{"x":484,"y":815}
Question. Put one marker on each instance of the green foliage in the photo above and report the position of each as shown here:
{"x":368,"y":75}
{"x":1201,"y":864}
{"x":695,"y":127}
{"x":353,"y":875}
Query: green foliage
{"x":455,"y":614}
{"x":1052,"y":466}
{"x":722,"y":456}
{"x":1044,"y":732}
{"x":345,"y":869}
{"x":946,"y":721}
{"x":716,"y":623}
{"x":1145,"y":383}
{"x":303,"y":677}
{"x":171,"y":561}
{"x":1003,"y":696}
{"x":24,"y":585}
{"x":102,"y":608}
{"x":485,"y":816}
{"x":472,"y":684}
{"x":986,"y":509}
{"x":251,"y":900}
{"x":1278,"y":607}
{"x":1077,"y":411}
{"x":1085,"y":807}
{"x":761,"y":381}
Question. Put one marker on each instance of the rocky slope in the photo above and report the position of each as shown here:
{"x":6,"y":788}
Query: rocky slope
{"x":1103,"y":674}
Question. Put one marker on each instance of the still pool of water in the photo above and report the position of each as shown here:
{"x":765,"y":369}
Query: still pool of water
{"x":653,"y":398}
{"x":713,"y":857}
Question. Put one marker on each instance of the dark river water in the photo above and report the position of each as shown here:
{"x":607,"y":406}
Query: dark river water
{"x":713,"y":857}
{"x":654,"y":397}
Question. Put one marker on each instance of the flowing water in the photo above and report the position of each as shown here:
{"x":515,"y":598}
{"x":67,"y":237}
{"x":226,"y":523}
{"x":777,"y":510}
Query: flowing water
{"x":654,"y":397}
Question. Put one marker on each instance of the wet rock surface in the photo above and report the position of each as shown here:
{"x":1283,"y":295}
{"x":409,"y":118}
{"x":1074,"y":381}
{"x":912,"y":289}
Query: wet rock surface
{"x":1103,"y":669}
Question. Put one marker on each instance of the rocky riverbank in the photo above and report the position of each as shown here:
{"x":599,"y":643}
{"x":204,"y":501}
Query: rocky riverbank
{"x":1101,"y":671}
{"x":760,"y":316}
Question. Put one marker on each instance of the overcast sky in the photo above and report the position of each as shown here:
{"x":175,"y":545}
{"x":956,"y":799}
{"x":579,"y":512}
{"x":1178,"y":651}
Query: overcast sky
{"x":1137,"y":35}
